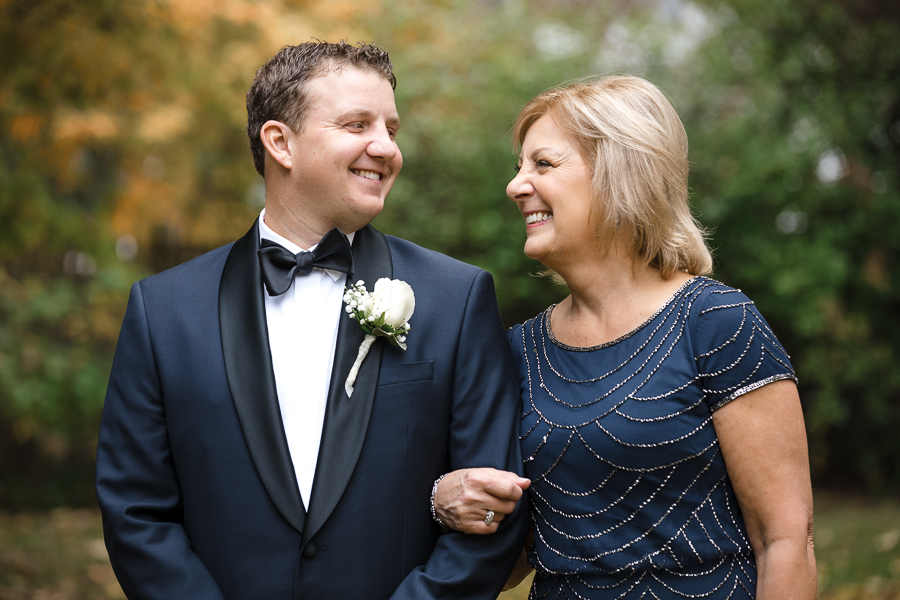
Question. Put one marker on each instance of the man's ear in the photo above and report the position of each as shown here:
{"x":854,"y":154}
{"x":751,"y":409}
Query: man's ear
{"x":275,"y":136}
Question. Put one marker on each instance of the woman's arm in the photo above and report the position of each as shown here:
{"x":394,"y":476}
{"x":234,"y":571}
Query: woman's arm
{"x":763,"y":441}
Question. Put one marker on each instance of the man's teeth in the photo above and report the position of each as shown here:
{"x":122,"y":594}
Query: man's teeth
{"x":367,"y":174}
{"x":537,"y":217}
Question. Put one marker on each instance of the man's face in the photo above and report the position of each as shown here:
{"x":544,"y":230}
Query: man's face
{"x":345,"y":159}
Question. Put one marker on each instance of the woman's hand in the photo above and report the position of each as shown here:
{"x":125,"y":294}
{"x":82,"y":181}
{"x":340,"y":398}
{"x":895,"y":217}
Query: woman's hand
{"x":763,"y":441}
{"x":463,"y":498}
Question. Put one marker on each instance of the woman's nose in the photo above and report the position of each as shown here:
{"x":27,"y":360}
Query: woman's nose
{"x":519,"y":188}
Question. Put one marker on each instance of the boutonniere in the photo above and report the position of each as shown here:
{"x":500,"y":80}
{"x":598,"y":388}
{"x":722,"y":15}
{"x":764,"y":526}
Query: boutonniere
{"x":385,"y":312}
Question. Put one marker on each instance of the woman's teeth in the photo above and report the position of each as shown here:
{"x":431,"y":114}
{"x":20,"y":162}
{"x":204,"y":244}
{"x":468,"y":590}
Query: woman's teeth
{"x":537,"y":217}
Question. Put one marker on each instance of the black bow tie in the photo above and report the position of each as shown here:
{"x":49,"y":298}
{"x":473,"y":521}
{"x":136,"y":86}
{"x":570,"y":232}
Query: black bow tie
{"x":279,"y":265}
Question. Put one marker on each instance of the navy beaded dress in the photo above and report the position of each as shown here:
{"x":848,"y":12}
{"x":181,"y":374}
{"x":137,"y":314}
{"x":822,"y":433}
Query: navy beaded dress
{"x":630,"y":496}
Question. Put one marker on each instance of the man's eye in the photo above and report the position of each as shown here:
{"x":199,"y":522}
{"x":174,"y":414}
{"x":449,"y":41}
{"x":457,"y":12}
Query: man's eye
{"x":357,"y":126}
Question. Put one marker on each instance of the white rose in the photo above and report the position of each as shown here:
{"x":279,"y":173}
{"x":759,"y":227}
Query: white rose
{"x":398,"y":299}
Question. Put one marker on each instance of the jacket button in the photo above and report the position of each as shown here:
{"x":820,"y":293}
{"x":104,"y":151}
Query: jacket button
{"x":309,"y":551}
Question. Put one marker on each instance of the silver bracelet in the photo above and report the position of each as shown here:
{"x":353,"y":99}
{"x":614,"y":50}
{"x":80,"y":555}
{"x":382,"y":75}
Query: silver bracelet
{"x":434,"y":516}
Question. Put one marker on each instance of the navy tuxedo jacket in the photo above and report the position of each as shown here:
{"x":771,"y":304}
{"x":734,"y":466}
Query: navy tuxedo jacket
{"x":194,"y":477}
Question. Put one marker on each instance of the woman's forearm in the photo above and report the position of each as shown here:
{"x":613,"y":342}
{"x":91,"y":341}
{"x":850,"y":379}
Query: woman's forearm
{"x":786,"y":569}
{"x":763,"y":442}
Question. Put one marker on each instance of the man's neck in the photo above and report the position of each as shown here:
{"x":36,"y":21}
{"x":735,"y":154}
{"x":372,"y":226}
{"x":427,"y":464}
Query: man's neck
{"x":293,"y":228}
{"x":266,"y":232}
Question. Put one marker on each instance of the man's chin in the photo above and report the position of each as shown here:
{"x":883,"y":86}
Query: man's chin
{"x":360,"y":219}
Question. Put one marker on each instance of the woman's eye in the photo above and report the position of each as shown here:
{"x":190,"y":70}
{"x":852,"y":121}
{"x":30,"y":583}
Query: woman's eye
{"x":517,"y":168}
{"x":543,"y":164}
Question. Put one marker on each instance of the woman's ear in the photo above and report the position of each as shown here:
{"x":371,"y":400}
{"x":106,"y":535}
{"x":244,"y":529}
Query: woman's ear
{"x":275,"y":136}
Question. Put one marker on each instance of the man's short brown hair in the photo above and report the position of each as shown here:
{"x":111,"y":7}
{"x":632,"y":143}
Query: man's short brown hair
{"x":278,"y":91}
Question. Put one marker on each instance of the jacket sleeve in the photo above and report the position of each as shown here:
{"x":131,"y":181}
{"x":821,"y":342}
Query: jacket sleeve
{"x":136,"y":482}
{"x":483,"y":433}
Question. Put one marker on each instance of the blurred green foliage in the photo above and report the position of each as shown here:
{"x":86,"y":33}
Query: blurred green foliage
{"x":796,"y":152}
{"x":122,"y":153}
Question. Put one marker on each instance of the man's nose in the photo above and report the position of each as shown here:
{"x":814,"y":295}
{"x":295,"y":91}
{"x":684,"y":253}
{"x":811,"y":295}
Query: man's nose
{"x":382,"y":144}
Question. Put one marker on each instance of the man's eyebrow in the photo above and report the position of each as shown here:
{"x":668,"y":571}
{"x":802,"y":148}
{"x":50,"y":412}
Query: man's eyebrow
{"x":364,"y":113}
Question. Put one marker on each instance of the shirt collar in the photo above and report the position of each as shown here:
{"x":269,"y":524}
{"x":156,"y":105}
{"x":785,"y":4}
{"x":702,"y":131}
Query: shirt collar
{"x":266,"y":233}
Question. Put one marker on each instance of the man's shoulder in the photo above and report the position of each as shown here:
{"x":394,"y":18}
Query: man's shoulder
{"x":203,"y":270}
{"x":415,"y":256}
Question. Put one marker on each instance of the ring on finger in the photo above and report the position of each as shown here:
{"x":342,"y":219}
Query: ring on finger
{"x":489,"y":518}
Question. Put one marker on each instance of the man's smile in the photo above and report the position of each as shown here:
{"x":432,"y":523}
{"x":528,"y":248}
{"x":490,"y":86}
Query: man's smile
{"x":367,"y":174}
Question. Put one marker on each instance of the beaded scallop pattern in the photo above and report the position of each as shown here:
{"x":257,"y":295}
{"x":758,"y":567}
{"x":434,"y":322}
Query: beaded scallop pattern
{"x":630,"y":496}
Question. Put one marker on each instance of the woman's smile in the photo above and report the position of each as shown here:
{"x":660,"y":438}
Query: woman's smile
{"x":537,"y":218}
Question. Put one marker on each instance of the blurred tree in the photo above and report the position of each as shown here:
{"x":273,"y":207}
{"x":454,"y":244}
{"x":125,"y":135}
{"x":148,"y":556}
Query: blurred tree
{"x":60,"y":286}
{"x":796,"y":141}
{"x":122,"y":153}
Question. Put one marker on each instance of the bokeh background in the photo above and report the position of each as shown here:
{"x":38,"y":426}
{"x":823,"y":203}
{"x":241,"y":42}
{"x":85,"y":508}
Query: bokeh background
{"x":122,"y":153}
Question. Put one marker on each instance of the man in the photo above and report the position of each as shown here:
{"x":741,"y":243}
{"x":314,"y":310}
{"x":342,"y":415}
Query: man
{"x":231,"y":461}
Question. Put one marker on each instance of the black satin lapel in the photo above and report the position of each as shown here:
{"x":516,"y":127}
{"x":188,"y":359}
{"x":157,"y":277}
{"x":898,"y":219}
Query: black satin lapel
{"x":248,"y":365}
{"x":346,"y":419}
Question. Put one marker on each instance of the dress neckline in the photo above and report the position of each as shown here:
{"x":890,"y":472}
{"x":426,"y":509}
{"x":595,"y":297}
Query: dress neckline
{"x":549,"y":310}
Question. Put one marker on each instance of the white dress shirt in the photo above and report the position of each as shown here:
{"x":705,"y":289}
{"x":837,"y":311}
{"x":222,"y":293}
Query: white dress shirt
{"x":303,"y":324}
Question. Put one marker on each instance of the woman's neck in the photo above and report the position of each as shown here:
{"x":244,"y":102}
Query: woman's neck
{"x":609,"y":297}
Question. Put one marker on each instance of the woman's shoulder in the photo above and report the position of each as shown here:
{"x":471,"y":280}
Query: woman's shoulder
{"x":712,"y":303}
{"x":717,"y":305}
{"x":734,"y":347}
{"x":714,"y":306}
{"x":720,"y":313}
{"x":533,"y":326}
{"x":710,"y":294}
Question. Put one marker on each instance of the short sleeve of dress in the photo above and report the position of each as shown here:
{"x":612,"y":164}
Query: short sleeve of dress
{"x":735,"y":349}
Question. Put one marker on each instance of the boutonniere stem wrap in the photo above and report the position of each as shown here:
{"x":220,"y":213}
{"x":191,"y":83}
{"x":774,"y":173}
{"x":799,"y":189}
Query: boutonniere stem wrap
{"x":384,"y":312}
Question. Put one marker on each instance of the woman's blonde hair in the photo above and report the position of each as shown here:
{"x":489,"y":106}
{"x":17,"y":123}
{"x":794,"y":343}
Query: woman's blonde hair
{"x":631,"y":137}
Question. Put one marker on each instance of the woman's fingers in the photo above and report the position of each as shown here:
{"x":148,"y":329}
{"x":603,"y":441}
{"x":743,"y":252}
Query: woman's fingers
{"x":501,"y":484}
{"x":476,"y":521}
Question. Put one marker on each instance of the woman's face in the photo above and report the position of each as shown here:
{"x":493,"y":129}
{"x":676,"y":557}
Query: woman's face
{"x":553,"y":192}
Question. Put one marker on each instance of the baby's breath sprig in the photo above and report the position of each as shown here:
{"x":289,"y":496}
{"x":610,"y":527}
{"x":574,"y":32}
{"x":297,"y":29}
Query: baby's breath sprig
{"x":371,"y":314}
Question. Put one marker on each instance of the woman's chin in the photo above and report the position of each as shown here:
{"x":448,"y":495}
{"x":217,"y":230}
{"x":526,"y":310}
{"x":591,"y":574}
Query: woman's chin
{"x":534,"y":254}
{"x":535,"y":249}
{"x":550,"y":257}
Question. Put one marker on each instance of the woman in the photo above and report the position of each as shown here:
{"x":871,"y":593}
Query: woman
{"x":661,"y":427}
